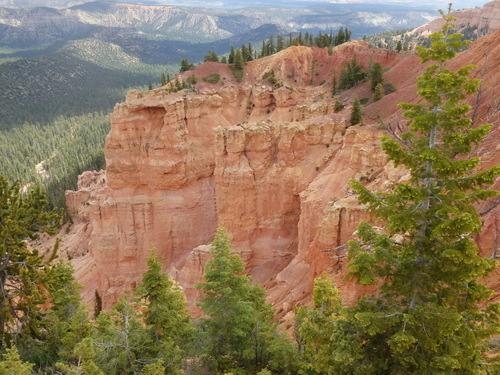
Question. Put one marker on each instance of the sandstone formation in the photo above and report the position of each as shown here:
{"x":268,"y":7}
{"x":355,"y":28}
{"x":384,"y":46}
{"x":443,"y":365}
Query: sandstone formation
{"x":482,"y":21}
{"x":270,"y":161}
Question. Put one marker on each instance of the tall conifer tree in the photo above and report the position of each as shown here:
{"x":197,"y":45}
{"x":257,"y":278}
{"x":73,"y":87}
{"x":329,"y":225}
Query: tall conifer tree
{"x":427,"y":316}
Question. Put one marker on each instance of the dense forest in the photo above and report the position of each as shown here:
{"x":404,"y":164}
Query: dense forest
{"x":55,"y":112}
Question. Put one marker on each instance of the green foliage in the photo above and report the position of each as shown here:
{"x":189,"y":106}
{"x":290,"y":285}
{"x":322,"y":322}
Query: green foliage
{"x":378,"y":94}
{"x":76,"y":80}
{"x":237,"y":327}
{"x":68,"y":318}
{"x":212,"y":78}
{"x":389,"y":88}
{"x":238,"y":74}
{"x":11,"y":364}
{"x":83,"y":360}
{"x":192,"y":80}
{"x":238,"y":60}
{"x":148,"y":334}
{"x":351,"y":74}
{"x":120,"y":339}
{"x":166,"y":317}
{"x":338,"y":106}
{"x":23,"y":271}
{"x":427,"y":316}
{"x":356,"y":113}
{"x":376,"y":75}
{"x":269,"y":76}
{"x":185,"y":66}
{"x":63,"y":149}
{"x":399,"y":46}
{"x":211,"y":56}
{"x":313,"y":328}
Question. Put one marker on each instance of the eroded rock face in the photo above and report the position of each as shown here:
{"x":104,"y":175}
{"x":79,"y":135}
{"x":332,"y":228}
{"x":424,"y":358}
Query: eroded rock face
{"x":271,"y":163}
{"x":482,"y":21}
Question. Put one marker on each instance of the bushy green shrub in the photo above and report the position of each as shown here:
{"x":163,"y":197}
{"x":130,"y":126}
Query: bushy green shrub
{"x":212,"y":78}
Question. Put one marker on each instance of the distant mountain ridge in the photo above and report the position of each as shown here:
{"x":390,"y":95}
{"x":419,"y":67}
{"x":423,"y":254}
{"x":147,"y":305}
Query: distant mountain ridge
{"x":197,"y":24}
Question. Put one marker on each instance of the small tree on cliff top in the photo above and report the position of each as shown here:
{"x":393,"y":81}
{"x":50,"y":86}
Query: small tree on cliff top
{"x":426,"y":317}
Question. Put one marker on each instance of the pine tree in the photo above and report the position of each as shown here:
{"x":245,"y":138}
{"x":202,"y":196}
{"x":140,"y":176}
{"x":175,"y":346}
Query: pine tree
{"x":280,"y":43}
{"x":185,"y":66}
{"x":230,"y":59}
{"x":68,"y":321}
{"x":238,"y":60}
{"x":250,"y":52}
{"x":211,"y":56}
{"x":165,"y":316}
{"x":376,"y":75}
{"x":12,"y":364}
{"x":238,"y":316}
{"x":163,"y":80}
{"x":271,"y":47}
{"x":379,"y":92}
{"x":427,"y":316}
{"x":121,"y":340}
{"x":83,"y":360}
{"x":399,"y":46}
{"x":23,"y":271}
{"x":356,"y":72}
{"x":334,"y":85}
{"x":313,"y":327}
{"x":356,"y":113}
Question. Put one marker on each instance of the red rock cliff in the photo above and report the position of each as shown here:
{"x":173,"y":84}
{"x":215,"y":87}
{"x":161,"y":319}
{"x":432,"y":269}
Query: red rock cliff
{"x":270,"y":164}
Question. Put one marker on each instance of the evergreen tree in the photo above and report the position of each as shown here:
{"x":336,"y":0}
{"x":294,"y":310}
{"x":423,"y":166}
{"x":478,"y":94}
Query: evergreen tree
{"x":250,"y":52}
{"x":185,"y":66}
{"x":399,"y":46}
{"x":334,"y":85}
{"x":163,"y":80}
{"x":345,"y":80}
{"x":165,"y":316}
{"x":121,"y":340}
{"x":83,"y":360}
{"x":264,"y":51}
{"x":427,"y":316}
{"x":379,"y":92}
{"x":271,"y":47}
{"x":230,"y":59}
{"x":280,"y":43}
{"x":356,"y":72}
{"x":244,"y":53}
{"x":376,"y":75}
{"x":313,"y":327}
{"x":238,"y":317}
{"x":67,"y":318}
{"x":356,"y":113}
{"x":341,"y":37}
{"x":211,"y":56}
{"x":12,"y":364}
{"x":238,"y":60}
{"x":23,"y":271}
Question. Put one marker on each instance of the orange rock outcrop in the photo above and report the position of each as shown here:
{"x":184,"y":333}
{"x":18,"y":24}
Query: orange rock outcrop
{"x":271,"y":163}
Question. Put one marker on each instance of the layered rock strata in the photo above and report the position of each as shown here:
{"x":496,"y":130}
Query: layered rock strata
{"x":270,"y":161}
